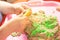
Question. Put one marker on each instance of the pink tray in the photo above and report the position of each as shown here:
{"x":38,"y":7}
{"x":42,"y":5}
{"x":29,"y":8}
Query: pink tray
{"x":43,"y":3}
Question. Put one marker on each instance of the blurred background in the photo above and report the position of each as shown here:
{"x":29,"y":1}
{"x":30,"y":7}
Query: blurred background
{"x":15,"y":1}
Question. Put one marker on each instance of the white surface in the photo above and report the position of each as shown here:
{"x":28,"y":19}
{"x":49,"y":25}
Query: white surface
{"x":47,"y":10}
{"x":21,"y":37}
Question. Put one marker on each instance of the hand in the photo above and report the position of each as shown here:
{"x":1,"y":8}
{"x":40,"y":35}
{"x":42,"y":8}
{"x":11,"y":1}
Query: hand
{"x":17,"y":24}
{"x":8,"y":8}
{"x":19,"y":7}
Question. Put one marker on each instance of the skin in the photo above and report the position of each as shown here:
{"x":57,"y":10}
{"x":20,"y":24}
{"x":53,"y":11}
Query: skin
{"x":17,"y":24}
{"x":8,"y":8}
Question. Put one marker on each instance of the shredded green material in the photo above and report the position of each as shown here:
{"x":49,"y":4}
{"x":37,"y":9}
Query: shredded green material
{"x":43,"y":25}
{"x":49,"y":24}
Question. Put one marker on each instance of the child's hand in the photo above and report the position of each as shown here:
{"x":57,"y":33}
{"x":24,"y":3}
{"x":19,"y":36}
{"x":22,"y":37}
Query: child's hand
{"x":19,"y":7}
{"x":17,"y":24}
{"x":8,"y":8}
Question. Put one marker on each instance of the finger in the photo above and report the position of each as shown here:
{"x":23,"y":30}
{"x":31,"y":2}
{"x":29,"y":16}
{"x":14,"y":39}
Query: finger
{"x":25,"y":6}
{"x":27,"y":13}
{"x":19,"y":10}
{"x":18,"y":6}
